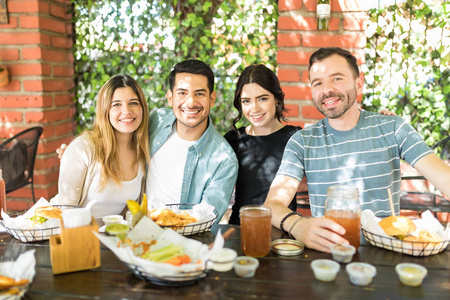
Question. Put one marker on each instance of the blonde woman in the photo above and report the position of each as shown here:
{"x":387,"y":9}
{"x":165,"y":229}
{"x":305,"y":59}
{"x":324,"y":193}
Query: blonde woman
{"x":108,"y":163}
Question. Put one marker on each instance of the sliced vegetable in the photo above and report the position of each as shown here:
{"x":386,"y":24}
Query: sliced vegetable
{"x":164,"y":254}
{"x":179,"y":260}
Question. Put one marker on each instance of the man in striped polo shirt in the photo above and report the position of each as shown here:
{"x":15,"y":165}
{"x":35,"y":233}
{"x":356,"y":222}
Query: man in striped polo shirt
{"x":350,"y":147}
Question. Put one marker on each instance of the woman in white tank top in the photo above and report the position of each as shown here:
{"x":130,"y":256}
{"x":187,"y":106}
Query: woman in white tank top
{"x":108,"y":163}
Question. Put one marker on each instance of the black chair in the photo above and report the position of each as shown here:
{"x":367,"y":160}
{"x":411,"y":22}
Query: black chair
{"x":17,"y":157}
{"x":422,"y":201}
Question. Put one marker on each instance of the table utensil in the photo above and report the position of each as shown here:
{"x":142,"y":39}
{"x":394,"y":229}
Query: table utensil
{"x":256,"y":228}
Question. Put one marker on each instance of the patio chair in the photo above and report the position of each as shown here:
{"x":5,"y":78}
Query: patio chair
{"x":17,"y":157}
{"x":422,"y":201}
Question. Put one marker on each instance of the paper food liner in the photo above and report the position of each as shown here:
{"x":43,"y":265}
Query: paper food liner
{"x":22,"y":228}
{"x":146,"y":231}
{"x":22,"y":268}
{"x":377,"y":236}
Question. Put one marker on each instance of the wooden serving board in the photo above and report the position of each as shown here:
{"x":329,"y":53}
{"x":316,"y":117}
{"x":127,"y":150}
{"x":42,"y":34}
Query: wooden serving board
{"x":75,"y":249}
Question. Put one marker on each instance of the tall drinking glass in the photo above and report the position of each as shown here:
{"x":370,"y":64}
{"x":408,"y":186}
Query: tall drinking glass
{"x":343,"y":207}
{"x":256,"y":229}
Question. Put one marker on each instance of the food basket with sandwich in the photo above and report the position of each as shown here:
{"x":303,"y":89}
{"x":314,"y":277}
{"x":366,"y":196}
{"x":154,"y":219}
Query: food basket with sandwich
{"x":418,"y":237}
{"x":160,"y":256}
{"x":37,"y":224}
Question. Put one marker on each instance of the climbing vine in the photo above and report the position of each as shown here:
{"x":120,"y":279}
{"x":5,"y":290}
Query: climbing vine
{"x":145,"y":39}
{"x":408,"y":61}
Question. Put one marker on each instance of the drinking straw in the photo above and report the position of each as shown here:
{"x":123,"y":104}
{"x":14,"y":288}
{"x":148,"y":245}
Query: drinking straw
{"x":390,"y":201}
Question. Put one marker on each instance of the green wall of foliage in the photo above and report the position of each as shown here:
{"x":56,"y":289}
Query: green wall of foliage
{"x":145,"y":39}
{"x":408,"y":61}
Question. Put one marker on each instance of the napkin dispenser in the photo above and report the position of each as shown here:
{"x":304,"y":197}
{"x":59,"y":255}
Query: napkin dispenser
{"x":75,"y":249}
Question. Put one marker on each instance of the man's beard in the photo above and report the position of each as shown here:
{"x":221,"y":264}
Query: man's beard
{"x":347,"y":100}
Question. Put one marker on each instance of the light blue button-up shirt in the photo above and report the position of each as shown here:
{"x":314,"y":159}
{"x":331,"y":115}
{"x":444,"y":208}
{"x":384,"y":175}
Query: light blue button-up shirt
{"x":211,"y":164}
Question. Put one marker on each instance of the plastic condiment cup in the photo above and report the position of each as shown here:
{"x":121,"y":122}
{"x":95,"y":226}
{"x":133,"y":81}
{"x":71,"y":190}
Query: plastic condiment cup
{"x":245,"y":266}
{"x":112,"y":219}
{"x":342,"y":253}
{"x":223,"y":259}
{"x":76,"y":217}
{"x":361,"y":273}
{"x":411,"y":274}
{"x":119,"y":230}
{"x":325,"y":269}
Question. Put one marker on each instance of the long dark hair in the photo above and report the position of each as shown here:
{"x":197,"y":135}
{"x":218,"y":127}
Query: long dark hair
{"x":268,"y":80}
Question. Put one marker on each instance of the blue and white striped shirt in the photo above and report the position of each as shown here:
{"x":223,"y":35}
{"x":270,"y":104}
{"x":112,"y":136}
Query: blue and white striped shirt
{"x":367,"y":156}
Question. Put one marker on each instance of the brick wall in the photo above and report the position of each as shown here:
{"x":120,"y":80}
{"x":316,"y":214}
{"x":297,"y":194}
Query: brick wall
{"x":298,"y":39}
{"x":35,"y":47}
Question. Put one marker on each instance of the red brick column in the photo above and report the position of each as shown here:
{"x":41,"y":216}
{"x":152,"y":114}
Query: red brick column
{"x":35,"y":47}
{"x":298,"y":39}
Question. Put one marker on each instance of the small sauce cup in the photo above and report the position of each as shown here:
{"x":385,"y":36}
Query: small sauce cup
{"x":223,"y":259}
{"x":112,"y":219}
{"x":342,"y":253}
{"x":245,"y":266}
{"x":411,"y":274}
{"x":325,"y":269}
{"x":361,"y":273}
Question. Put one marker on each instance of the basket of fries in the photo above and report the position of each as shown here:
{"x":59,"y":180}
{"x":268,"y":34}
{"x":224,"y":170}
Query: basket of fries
{"x":16,"y":276}
{"x":27,"y":227}
{"x":186,"y":219}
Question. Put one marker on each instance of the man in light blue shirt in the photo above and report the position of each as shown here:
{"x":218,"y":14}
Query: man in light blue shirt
{"x":349,"y":146}
{"x":191,"y":162}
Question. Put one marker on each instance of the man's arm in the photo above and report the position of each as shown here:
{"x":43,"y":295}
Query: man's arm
{"x":436,"y":171}
{"x":315,"y":233}
{"x":219,"y":190}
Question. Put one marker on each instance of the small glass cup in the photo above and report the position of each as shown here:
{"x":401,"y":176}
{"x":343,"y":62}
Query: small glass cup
{"x":256,"y":230}
{"x":343,"y":207}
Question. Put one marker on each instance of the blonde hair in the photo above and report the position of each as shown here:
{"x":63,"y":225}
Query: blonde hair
{"x":103,"y":137}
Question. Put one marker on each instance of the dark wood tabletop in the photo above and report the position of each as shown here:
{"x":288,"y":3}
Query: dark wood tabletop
{"x":276,"y":278}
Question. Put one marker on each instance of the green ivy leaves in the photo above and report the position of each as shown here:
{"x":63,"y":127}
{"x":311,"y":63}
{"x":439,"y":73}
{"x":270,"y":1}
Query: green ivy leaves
{"x":146,"y":38}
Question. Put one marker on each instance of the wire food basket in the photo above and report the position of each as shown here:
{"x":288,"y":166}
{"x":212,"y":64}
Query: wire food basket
{"x":183,"y":279}
{"x":193,"y":228}
{"x":34,"y":235}
{"x":409,"y":247}
{"x":14,"y":293}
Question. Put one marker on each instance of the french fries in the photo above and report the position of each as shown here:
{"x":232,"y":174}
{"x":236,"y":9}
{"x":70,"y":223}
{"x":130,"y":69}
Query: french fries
{"x":8,"y":282}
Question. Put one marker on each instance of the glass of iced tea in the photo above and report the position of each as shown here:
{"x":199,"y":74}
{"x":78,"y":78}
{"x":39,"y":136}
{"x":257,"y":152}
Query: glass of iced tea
{"x":343,"y":207}
{"x":256,"y":229}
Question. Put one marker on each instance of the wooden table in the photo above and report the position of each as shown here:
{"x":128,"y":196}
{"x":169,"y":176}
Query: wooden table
{"x":276,"y":278}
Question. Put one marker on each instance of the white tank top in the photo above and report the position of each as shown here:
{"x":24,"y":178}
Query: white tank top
{"x":113,"y":198}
